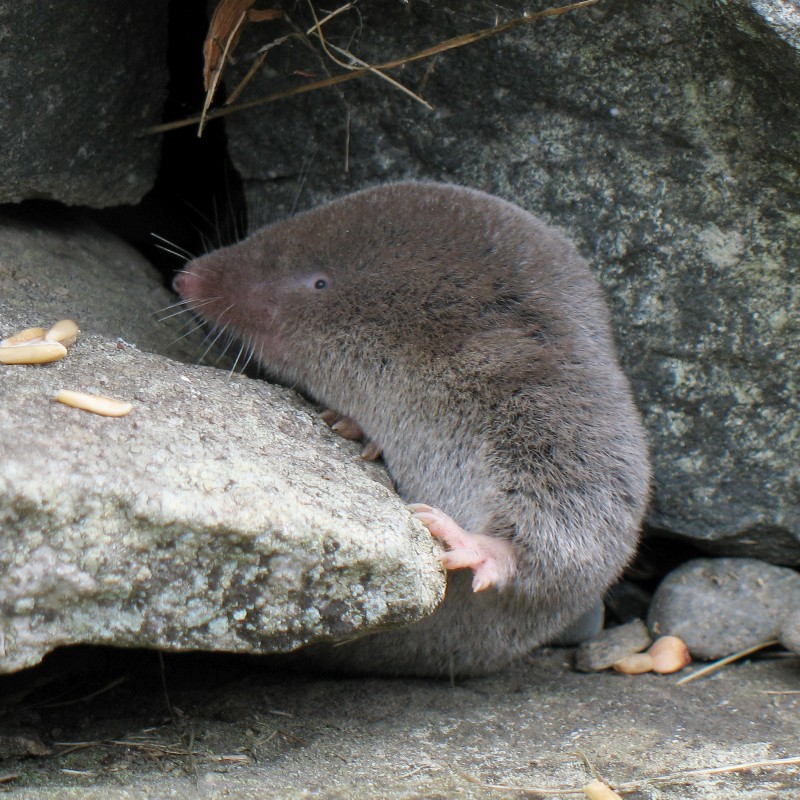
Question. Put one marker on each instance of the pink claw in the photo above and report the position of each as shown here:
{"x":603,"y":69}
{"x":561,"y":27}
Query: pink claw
{"x":348,"y":428}
{"x":371,"y":452}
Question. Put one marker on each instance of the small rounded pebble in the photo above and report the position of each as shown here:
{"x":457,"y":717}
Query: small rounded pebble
{"x":611,"y":646}
{"x":720,"y":606}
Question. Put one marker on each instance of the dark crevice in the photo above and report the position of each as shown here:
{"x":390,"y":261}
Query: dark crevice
{"x":197,"y":201}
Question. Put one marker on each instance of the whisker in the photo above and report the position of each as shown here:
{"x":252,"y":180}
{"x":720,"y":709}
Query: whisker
{"x":224,"y":352}
{"x":208,"y":245}
{"x":177,"y":303}
{"x":217,"y":226}
{"x":185,"y":307}
{"x":188,"y":333}
{"x":196,"y":270}
{"x":175,"y":253}
{"x":186,"y":310}
{"x":213,"y":343}
{"x":175,"y":248}
{"x":250,"y":354}
{"x":236,"y":361}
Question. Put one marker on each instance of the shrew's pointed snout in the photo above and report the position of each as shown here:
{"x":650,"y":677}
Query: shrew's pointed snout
{"x":186,"y":284}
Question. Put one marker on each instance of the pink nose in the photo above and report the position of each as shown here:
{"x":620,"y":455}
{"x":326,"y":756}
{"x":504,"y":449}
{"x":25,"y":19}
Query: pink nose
{"x":185,"y":284}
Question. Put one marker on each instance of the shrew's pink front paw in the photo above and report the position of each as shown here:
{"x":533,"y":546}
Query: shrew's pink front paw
{"x":491,"y":559}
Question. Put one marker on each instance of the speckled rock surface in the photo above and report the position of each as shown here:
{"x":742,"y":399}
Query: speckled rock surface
{"x":770,"y":29}
{"x":221,"y":514}
{"x":669,"y":154}
{"x":790,"y":630}
{"x":724,"y":605}
{"x":80,"y":82}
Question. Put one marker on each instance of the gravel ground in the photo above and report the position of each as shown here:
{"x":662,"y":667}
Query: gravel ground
{"x":218,"y":726}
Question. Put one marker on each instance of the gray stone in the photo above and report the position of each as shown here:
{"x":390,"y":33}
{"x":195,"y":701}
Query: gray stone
{"x":81,"y":81}
{"x":790,"y":631}
{"x":220,"y":514}
{"x":612,"y":645}
{"x":65,"y":267}
{"x":724,"y":605}
{"x":667,"y":155}
{"x":770,"y":30}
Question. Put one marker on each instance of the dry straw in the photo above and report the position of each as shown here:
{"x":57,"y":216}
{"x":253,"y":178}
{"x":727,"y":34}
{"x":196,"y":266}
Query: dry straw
{"x":355,"y":72}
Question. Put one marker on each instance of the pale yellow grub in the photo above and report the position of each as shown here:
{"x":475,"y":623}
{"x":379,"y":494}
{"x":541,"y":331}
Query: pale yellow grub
{"x":635,"y":664}
{"x":35,"y":353}
{"x":65,"y":331}
{"x":96,"y":403}
{"x":669,"y":654}
{"x":27,"y":336}
{"x":597,"y":790}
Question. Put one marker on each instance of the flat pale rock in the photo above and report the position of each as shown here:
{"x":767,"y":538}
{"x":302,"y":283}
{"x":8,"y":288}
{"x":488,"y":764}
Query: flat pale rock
{"x":220,"y":514}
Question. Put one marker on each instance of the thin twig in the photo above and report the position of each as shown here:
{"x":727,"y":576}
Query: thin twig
{"x":319,"y":23}
{"x":724,"y":661}
{"x":355,"y":62}
{"x":153,"y":747}
{"x":164,"y":689}
{"x":449,"y":44}
{"x":700,"y":773}
{"x":86,"y":698}
{"x":71,"y":747}
{"x":256,"y":66}
{"x":264,"y":51}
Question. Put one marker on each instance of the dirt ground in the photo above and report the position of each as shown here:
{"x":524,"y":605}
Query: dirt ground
{"x":119,"y":726}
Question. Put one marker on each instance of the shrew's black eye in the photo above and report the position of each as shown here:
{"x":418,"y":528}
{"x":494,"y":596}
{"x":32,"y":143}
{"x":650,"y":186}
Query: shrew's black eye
{"x":321,"y":283}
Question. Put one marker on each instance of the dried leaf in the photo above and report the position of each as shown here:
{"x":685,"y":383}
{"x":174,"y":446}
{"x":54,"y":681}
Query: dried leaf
{"x":227,"y":22}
